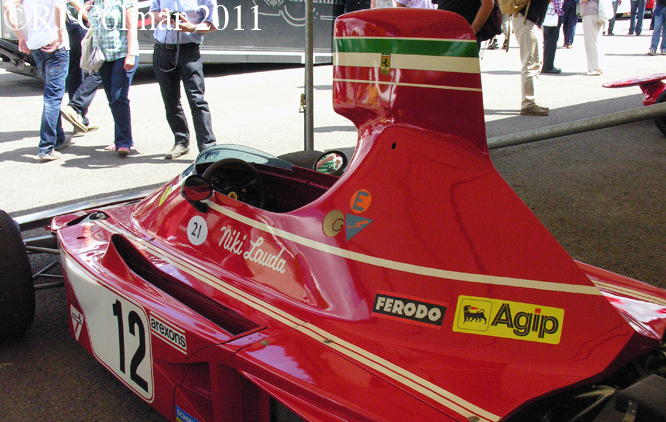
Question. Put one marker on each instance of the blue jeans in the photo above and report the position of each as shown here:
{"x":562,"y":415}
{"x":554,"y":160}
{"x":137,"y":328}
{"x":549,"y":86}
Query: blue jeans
{"x":637,"y":14}
{"x":116,"y":81}
{"x":81,"y":87}
{"x":659,"y":18}
{"x":53,"y":67}
{"x":188,"y":68}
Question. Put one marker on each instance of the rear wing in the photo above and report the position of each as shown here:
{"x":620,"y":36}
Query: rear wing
{"x":426,"y":76}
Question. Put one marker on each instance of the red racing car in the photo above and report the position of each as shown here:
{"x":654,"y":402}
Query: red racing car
{"x":416,"y":286}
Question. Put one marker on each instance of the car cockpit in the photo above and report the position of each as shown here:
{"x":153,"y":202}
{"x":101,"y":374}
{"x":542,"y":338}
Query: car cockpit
{"x":259,"y":179}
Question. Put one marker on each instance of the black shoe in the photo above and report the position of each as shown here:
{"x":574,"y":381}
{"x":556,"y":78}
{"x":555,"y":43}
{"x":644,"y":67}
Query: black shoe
{"x":552,"y":70}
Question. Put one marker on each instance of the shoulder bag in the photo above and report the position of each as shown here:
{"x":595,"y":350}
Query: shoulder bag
{"x":92,"y":57}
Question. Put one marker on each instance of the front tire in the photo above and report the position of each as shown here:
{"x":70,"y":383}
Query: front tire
{"x":17,"y":291}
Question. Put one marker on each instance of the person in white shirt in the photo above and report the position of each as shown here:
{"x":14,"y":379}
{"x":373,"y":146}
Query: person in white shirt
{"x":416,"y":4}
{"x":42,"y":32}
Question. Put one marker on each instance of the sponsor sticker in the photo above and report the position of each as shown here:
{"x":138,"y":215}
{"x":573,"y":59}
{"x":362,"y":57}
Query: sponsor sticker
{"x":333,"y":223}
{"x":408,"y":309}
{"x":173,"y":336}
{"x":360,"y":201}
{"x":183,"y":416}
{"x":165,"y":195}
{"x":355,"y":224}
{"x":77,"y":321}
{"x":506,"y":319}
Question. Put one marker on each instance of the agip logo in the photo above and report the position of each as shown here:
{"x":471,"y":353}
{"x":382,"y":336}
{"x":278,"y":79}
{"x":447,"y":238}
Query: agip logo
{"x":514,"y":320}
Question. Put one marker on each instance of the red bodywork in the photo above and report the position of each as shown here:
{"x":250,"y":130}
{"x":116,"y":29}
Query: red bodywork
{"x":651,"y":86}
{"x":416,"y":287}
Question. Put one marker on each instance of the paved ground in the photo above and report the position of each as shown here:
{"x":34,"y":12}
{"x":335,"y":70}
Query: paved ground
{"x":600,"y":194}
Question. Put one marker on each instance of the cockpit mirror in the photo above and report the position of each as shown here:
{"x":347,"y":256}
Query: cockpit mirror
{"x":331,"y":162}
{"x":196,"y":189}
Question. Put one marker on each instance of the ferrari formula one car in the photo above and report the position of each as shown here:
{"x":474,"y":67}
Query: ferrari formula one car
{"x":416,"y":286}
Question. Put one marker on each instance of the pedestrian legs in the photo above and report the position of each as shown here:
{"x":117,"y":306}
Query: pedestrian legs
{"x":191,"y":72}
{"x":593,"y":29}
{"x":551,"y":34}
{"x":53,"y":67}
{"x":116,"y":81}
{"x":530,"y":41}
{"x":658,"y":15}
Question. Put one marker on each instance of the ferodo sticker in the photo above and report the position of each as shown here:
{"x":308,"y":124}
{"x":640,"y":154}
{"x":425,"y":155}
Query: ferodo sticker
{"x":407,"y":309}
{"x":515,"y":320}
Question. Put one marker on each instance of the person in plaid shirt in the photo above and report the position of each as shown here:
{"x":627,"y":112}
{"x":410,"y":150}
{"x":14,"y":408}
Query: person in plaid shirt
{"x":176,"y":58}
{"x":114,"y":24}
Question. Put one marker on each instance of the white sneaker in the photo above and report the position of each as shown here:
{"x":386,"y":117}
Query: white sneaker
{"x":53,"y":155}
{"x":68,"y":113}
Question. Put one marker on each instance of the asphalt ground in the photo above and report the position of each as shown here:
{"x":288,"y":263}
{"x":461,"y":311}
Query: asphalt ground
{"x":600,"y":193}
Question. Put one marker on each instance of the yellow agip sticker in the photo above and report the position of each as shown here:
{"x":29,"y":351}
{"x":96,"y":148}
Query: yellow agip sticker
{"x":515,"y":320}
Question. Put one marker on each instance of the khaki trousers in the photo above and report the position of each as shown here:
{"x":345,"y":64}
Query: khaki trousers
{"x":530,"y":41}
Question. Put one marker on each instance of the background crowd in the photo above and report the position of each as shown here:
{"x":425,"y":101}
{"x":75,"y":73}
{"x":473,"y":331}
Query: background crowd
{"x":181,"y":25}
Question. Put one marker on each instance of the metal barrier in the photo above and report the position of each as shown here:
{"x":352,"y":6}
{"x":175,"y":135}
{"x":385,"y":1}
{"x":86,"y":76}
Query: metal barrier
{"x":579,"y":126}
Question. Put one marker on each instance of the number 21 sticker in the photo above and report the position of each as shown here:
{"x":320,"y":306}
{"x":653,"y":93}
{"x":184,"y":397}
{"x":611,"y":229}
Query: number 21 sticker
{"x":197,"y":230}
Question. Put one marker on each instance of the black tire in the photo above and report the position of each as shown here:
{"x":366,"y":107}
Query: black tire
{"x":17,"y":291}
{"x":661,"y":121}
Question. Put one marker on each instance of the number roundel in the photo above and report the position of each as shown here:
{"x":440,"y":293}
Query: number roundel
{"x":197,"y":230}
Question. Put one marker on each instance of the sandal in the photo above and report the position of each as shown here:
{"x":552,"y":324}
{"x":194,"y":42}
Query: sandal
{"x":123,"y":151}
{"x":110,"y":147}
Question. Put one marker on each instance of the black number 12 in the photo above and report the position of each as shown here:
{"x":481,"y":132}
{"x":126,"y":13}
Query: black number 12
{"x":134,"y":322}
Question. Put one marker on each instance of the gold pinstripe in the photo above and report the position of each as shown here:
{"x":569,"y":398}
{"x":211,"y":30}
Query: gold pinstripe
{"x":411,"y":62}
{"x":630,"y":292}
{"x":404,"y":267}
{"x":362,"y":81}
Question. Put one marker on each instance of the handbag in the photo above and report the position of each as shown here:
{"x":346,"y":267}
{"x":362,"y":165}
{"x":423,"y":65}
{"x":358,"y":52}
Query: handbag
{"x":92,"y":57}
{"x":606,"y":12}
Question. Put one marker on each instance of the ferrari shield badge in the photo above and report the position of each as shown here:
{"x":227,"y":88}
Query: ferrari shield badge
{"x":386,"y":64}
